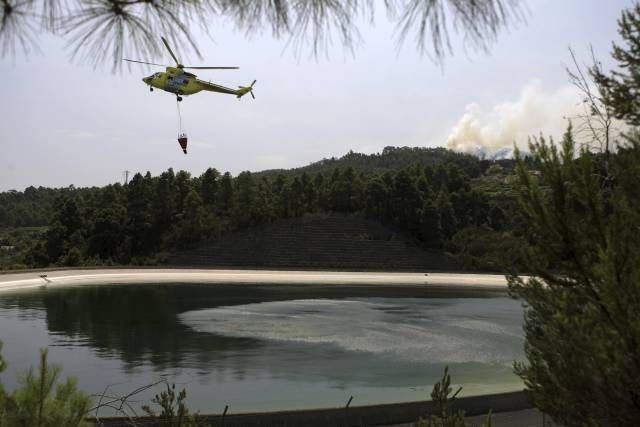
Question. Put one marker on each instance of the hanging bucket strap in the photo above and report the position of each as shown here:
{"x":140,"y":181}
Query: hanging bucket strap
{"x":179,"y":118}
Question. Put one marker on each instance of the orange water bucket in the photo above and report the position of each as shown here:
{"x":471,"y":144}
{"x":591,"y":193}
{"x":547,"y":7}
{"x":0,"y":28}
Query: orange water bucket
{"x":182,"y":140}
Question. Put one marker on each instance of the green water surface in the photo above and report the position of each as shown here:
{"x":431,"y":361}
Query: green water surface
{"x":266,"y":347}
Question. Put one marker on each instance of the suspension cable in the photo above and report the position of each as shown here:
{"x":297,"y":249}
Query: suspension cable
{"x":179,"y":118}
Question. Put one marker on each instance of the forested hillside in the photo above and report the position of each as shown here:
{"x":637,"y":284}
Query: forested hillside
{"x":395,"y":158}
{"x":438,"y":199}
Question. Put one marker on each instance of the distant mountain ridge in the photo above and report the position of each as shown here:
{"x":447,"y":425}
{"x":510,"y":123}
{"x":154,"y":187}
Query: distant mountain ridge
{"x":392,"y":159}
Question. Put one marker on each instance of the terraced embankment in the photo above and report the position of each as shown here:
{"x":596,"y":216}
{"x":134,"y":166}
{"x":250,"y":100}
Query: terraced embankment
{"x":319,"y":241}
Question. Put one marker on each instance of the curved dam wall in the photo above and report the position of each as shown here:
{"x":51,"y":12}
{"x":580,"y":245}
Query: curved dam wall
{"x":460,"y":281}
{"x":374,"y":415}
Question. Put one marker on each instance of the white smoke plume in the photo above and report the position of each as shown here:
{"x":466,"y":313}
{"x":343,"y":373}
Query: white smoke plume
{"x":494,"y":131}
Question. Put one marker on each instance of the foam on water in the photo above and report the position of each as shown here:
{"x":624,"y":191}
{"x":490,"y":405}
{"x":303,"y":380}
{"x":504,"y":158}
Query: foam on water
{"x":438,"y":330}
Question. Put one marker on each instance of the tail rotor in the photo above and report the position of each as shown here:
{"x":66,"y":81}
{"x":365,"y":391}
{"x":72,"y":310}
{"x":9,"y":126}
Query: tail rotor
{"x":243,"y":90}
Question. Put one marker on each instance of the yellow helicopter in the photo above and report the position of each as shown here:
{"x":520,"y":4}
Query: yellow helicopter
{"x":176,"y":80}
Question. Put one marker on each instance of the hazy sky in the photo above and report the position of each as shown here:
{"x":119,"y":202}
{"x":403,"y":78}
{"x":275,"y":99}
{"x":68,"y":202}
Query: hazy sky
{"x":64,"y":123}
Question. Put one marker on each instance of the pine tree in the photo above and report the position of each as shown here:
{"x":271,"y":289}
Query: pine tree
{"x":621,"y":88}
{"x":244,"y":200}
{"x":190,"y":222}
{"x":296,"y":197}
{"x":173,"y":409}
{"x":406,"y":201}
{"x":42,"y":402}
{"x":225,"y":195}
{"x":164,"y":205}
{"x":376,"y":194}
{"x":581,"y":324}
{"x":309,"y":192}
{"x":209,"y":182}
{"x":430,"y":225}
{"x":446,"y":213}
{"x":140,"y":214}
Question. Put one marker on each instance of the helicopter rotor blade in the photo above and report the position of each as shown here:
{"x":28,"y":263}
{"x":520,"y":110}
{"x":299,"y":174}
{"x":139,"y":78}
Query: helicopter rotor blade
{"x":148,"y":63}
{"x":166,"y":43}
{"x":213,"y":68}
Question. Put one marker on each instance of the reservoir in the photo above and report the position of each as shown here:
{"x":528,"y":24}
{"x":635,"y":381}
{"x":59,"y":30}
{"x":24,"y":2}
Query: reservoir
{"x":266,"y":347}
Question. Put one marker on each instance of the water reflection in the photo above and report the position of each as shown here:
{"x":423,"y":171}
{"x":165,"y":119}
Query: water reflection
{"x":133,"y":323}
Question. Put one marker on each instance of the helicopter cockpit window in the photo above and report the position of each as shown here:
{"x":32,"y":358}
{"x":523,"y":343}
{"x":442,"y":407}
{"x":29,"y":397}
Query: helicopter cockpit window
{"x":156,"y":75}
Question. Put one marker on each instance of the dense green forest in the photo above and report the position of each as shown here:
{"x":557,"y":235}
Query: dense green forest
{"x":441,"y":199}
